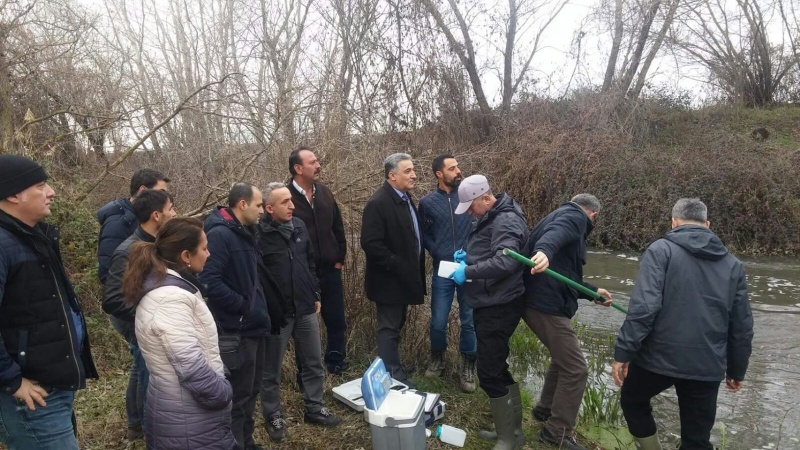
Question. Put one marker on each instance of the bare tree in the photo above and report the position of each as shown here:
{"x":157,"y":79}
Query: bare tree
{"x":735,"y":46}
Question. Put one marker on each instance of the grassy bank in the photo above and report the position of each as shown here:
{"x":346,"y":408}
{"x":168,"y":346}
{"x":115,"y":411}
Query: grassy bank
{"x":101,"y":409}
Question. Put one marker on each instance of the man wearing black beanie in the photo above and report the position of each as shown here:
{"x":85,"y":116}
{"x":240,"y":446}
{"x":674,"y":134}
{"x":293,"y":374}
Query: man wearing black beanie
{"x":44,"y":348}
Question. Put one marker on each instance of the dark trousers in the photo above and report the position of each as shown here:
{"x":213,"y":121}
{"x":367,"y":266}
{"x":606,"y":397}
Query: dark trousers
{"x":391,"y":319}
{"x":246,"y":383}
{"x":494,"y":326}
{"x":697,"y":401}
{"x":566,"y":377}
{"x":330,"y":284}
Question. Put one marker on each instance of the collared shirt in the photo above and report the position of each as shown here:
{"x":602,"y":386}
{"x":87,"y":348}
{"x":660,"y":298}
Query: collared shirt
{"x":405,"y":198}
{"x":302,"y":191}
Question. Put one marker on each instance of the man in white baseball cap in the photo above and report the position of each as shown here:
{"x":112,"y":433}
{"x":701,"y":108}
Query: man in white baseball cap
{"x":496,"y":296}
{"x":471,"y":188}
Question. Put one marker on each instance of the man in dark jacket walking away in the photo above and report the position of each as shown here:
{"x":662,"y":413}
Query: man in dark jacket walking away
{"x":117,"y":220}
{"x":392,"y":242}
{"x":237,"y":302}
{"x":288,"y":257}
{"x":495,"y":293}
{"x":315,"y":206}
{"x":44,"y":348}
{"x":152,"y":208}
{"x":689,"y":325}
{"x":444,"y":233}
{"x":559,"y":241}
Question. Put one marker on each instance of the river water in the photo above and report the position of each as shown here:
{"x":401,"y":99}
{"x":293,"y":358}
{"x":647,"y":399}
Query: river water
{"x":766,"y":412}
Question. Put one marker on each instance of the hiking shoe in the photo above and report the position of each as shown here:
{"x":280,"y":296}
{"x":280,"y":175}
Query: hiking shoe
{"x":322,"y":417}
{"x":566,"y":442}
{"x":277,"y":429}
{"x":135,"y":433}
{"x":467,"y":377}
{"x":540,"y":414}
{"x":436,"y":365}
{"x":336,"y":363}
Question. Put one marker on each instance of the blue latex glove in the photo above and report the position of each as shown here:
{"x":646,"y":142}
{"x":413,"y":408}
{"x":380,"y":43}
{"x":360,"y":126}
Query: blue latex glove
{"x":460,"y":274}
{"x":460,"y":256}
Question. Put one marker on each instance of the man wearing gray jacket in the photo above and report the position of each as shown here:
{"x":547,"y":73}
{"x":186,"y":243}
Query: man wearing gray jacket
{"x":689,"y":325}
{"x":495,"y":292}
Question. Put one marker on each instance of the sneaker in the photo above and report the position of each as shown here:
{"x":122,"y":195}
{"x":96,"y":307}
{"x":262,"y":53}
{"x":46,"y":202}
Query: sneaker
{"x":540,"y":414}
{"x":436,"y":366}
{"x":322,"y":417}
{"x":566,"y":442}
{"x":277,"y":429}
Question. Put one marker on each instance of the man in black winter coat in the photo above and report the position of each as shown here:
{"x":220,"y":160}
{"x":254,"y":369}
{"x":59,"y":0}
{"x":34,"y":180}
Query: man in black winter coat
{"x":495,"y":295}
{"x":392,"y":242}
{"x":559,"y":241}
{"x":316,"y":207}
{"x":289,"y":258}
{"x":44,"y":346}
{"x":117,"y":220}
{"x":689,"y":325}
{"x":237,"y":301}
{"x":152,"y":208}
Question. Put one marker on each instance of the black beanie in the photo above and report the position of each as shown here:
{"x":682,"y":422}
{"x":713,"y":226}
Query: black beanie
{"x":18,"y":173}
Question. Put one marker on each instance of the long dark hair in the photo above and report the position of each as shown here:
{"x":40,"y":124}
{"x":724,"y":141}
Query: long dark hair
{"x":177,"y":235}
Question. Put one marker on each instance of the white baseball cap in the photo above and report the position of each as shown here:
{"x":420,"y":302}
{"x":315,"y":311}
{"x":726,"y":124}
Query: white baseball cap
{"x":471,"y":188}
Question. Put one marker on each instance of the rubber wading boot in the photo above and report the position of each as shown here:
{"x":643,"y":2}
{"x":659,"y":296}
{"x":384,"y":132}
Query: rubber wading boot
{"x":504,"y":423}
{"x":648,"y":443}
{"x":516,"y":401}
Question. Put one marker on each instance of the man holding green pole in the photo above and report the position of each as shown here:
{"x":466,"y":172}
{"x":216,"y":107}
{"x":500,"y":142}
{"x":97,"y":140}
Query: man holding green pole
{"x":559,"y":241}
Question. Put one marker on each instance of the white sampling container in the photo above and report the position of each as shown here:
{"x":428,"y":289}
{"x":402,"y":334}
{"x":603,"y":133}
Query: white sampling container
{"x":451,"y":435}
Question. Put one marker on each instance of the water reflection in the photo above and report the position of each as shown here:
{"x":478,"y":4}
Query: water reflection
{"x":766,"y":412}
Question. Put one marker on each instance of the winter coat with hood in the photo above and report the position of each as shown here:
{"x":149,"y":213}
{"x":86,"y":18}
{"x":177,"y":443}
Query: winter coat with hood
{"x":689,"y":315}
{"x":496,"y":279}
{"x":561,"y":235}
{"x":188,"y":397}
{"x":117,"y":222}
{"x":235,"y":295}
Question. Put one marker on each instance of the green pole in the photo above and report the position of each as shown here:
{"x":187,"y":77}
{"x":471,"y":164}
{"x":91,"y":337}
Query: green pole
{"x":562,"y":278}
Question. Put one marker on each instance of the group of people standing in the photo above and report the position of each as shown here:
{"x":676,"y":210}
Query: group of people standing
{"x":689,"y":325}
{"x":212,"y":306}
{"x":208,"y":308}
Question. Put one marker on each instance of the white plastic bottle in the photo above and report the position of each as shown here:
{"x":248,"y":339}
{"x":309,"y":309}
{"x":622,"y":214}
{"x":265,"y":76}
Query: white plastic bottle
{"x":451,"y":435}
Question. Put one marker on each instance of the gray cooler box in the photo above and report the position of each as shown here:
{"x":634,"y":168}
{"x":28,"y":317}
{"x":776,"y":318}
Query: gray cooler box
{"x":398,"y":424}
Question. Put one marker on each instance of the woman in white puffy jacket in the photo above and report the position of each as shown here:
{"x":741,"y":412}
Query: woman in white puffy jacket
{"x":188,"y":398}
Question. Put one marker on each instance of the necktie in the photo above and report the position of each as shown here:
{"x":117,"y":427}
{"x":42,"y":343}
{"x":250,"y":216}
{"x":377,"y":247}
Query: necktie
{"x":413,"y":219}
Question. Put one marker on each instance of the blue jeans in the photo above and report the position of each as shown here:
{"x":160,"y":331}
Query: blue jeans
{"x":136,"y":393}
{"x":45,"y":428}
{"x":442,"y":290}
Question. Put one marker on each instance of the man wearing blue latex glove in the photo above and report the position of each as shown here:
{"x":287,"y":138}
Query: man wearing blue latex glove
{"x":496,"y":296}
{"x":444,"y":232}
{"x":459,"y":276}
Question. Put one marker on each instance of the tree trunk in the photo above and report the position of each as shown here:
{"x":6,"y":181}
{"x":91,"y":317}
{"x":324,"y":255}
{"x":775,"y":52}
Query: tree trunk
{"x":616,"y":43}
